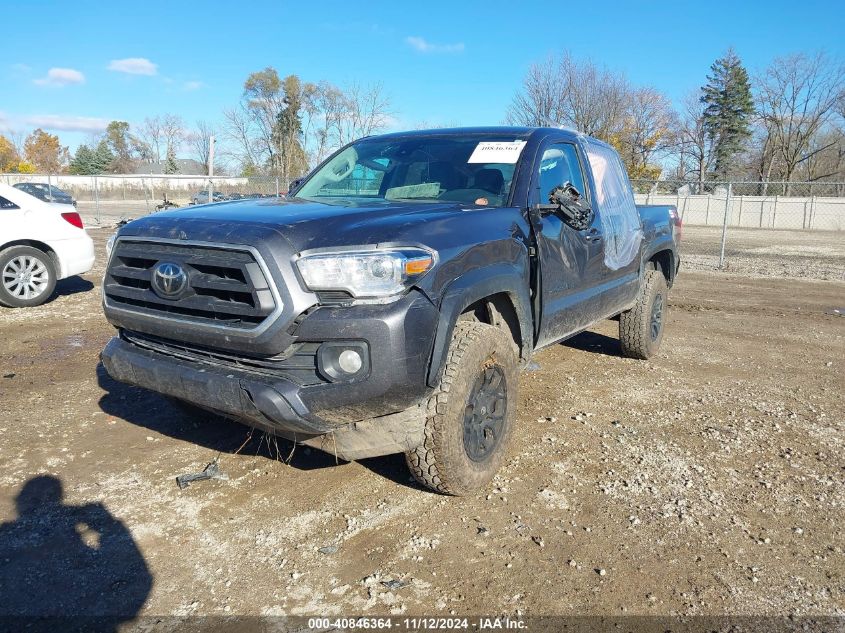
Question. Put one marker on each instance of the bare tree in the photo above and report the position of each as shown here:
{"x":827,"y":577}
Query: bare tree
{"x":200,"y":141}
{"x":826,"y":156}
{"x":797,"y":96}
{"x":282,"y":124}
{"x":763,"y":154}
{"x":172,"y":132}
{"x":333,"y":102}
{"x":595,"y":100}
{"x":323,"y":107}
{"x":239,"y":131}
{"x":333,"y":117}
{"x":18,"y":139}
{"x":151,"y":135}
{"x":574,"y":93}
{"x":538,"y":102}
{"x":161,"y":136}
{"x":694,"y":147}
{"x":369,"y":109}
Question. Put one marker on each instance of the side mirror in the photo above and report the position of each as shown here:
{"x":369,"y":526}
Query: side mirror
{"x":294,"y":185}
{"x":568,"y":201}
{"x":570,"y":191}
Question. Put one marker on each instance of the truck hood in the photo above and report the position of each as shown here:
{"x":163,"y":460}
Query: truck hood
{"x":303,"y":224}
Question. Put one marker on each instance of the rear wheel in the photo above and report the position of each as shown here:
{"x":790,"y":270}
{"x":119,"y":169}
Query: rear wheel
{"x":470,"y":416}
{"x":641,"y":327}
{"x":27,"y":277}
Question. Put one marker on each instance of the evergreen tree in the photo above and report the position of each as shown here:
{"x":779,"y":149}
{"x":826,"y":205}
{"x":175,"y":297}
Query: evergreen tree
{"x":728,"y":109}
{"x":103,"y":158}
{"x":170,"y":164}
{"x":83,"y":162}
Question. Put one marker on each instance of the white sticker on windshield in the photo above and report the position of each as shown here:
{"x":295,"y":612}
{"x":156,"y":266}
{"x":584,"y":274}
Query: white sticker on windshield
{"x":497,"y":152}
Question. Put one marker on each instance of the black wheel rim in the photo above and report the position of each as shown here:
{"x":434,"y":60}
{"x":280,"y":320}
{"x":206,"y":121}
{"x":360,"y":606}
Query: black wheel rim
{"x":656,"y":316}
{"x":484,"y":416}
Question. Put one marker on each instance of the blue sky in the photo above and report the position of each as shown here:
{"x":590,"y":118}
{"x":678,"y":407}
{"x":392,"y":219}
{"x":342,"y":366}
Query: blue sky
{"x":70,"y":66}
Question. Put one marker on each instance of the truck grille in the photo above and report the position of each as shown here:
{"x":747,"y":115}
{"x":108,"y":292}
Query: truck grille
{"x":225,"y":286}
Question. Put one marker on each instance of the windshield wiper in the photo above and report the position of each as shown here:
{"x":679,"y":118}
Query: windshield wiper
{"x":430,"y":199}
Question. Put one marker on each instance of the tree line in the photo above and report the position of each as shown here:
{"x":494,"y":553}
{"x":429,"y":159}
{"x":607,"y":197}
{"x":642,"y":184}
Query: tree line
{"x":118,"y":149}
{"x":284,"y":126}
{"x":38,"y":151}
{"x":785,"y":123}
{"x":281,"y":126}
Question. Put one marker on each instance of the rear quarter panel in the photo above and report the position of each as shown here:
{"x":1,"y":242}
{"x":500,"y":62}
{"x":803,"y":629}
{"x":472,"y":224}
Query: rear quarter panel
{"x":658,"y":232}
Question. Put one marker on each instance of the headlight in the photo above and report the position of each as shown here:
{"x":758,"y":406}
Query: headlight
{"x":110,"y":245}
{"x":366,"y":274}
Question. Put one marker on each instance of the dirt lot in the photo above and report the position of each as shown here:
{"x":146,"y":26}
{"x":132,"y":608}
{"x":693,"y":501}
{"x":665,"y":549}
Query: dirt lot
{"x":707,"y":481}
{"x":769,"y":253}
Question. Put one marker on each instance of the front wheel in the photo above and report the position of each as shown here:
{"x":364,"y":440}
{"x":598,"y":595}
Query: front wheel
{"x":27,"y":277}
{"x":641,"y":327}
{"x":471,"y":414}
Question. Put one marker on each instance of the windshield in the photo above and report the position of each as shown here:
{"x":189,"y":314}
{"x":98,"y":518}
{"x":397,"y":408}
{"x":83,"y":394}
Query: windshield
{"x":475,"y":170}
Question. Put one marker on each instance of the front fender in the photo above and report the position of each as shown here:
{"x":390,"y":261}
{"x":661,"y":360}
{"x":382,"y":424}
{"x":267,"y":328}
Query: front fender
{"x":511,"y":279}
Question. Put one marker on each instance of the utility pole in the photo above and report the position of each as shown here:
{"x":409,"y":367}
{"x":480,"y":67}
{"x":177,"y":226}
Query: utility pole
{"x":210,"y":168}
{"x":725,"y":224}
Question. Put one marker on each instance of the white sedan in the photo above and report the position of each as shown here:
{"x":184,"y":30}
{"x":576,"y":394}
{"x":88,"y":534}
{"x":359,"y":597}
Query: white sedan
{"x":39,"y":244}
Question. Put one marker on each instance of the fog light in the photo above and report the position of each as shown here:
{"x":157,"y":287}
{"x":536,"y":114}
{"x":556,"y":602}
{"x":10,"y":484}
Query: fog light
{"x":350,"y":361}
{"x":344,"y":361}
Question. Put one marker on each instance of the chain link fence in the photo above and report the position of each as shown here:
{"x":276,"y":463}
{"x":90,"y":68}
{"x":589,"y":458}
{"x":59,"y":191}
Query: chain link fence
{"x":107,"y":199}
{"x":794,"y":229}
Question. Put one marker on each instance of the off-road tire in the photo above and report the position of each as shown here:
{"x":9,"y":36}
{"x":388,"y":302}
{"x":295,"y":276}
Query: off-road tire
{"x":28,"y":253}
{"x":442,"y":462}
{"x":635,"y":325}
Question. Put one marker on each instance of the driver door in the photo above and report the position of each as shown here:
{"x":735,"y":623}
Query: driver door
{"x":571,"y":262}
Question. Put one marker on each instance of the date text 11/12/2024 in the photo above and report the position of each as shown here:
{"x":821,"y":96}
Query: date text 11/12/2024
{"x":418,"y":623}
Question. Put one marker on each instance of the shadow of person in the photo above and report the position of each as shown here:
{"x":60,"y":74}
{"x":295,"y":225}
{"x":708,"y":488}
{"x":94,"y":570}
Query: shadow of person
{"x":68,"y":567}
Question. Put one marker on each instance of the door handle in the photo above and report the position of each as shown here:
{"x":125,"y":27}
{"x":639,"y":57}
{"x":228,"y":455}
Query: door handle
{"x":593,"y":235}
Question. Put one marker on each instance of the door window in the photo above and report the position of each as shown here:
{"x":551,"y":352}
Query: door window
{"x":558,"y":166}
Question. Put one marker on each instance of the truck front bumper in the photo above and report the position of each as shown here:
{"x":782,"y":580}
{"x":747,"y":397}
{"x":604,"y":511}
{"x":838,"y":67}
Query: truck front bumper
{"x":375,"y":414}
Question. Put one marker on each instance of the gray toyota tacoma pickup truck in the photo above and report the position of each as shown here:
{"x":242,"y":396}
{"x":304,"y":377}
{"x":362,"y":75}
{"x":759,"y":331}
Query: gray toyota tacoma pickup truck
{"x":387,"y":304}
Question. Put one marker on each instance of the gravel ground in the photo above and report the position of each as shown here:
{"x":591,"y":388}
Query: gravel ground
{"x":767,"y":253}
{"x":706,"y":481}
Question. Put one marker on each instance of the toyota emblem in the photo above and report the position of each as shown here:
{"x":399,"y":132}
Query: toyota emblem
{"x":169,"y":280}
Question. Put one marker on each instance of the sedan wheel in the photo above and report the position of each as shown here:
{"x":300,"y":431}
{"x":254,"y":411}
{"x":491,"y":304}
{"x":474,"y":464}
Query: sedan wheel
{"x":27,"y":277}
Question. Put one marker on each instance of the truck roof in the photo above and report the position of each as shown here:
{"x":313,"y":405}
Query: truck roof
{"x":520,"y":132}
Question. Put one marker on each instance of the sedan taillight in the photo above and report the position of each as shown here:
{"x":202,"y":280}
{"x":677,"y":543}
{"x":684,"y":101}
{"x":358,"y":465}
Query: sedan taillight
{"x":74,"y":219}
